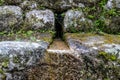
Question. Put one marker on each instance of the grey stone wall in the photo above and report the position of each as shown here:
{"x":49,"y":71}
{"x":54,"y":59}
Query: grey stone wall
{"x":39,"y":15}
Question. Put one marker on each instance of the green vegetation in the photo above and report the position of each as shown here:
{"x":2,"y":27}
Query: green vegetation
{"x":5,"y":64}
{"x":102,"y":18}
{"x":102,"y":3}
{"x":106,"y":38}
{"x":1,"y":71}
{"x":105,"y":66}
{"x":28,"y":35}
{"x":87,"y":67}
{"x":1,"y":2}
{"x":110,"y":65}
{"x":108,"y":56}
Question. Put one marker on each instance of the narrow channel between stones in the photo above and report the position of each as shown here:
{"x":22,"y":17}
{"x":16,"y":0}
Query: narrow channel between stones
{"x":59,"y":25}
{"x":59,"y":45}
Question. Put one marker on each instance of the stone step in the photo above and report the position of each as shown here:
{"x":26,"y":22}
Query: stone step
{"x":58,"y":44}
{"x":59,"y":51}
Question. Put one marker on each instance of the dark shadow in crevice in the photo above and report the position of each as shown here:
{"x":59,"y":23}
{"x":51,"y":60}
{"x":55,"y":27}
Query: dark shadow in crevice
{"x":59,"y":25}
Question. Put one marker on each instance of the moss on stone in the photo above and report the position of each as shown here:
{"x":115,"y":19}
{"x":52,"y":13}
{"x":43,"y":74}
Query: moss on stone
{"x":108,"y":57}
{"x":27,"y":36}
{"x":112,"y":38}
{"x":107,"y":38}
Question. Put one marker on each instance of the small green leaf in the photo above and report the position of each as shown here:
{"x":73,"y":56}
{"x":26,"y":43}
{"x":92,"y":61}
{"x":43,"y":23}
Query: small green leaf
{"x":90,"y":16}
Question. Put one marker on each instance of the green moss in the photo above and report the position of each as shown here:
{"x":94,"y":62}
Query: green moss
{"x":112,"y":38}
{"x":98,"y":14}
{"x":108,"y":56}
{"x":103,"y":3}
{"x":29,"y":35}
{"x":107,"y":38}
{"x":79,"y":36}
{"x":91,"y":16}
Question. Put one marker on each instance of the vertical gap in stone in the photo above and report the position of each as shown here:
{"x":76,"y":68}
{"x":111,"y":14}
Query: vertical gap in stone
{"x":58,"y":25}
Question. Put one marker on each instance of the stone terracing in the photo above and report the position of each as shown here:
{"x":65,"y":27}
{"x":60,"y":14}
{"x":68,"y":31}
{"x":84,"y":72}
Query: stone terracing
{"x":88,"y":43}
{"x":25,"y":56}
{"x":16,"y":56}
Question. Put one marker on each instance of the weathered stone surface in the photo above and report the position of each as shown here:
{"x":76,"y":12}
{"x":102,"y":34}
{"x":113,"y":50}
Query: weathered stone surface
{"x":89,"y":43}
{"x":112,"y":49}
{"x":67,"y":66}
{"x":10,"y":17}
{"x":40,"y":19}
{"x":29,"y":5}
{"x":63,"y":5}
{"x":113,"y":4}
{"x":112,"y":25}
{"x":57,"y":66}
{"x":29,"y":36}
{"x":75,"y":21}
{"x":59,"y":5}
{"x":16,"y":56}
{"x":112,"y":22}
{"x":80,"y":48}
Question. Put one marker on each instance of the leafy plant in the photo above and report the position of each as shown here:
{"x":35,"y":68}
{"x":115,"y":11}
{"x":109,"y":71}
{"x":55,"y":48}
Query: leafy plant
{"x":112,"y":12}
{"x":102,"y":3}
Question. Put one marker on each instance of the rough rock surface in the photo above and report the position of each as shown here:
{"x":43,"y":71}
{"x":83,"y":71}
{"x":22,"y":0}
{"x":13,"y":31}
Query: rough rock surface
{"x":75,"y":21}
{"x":89,"y":43}
{"x":58,"y":5}
{"x":112,"y":24}
{"x":91,"y":56}
{"x":29,"y":5}
{"x":40,"y":19}
{"x":113,"y":4}
{"x":112,"y":49}
{"x":83,"y":63}
{"x":80,"y":48}
{"x":62,"y":5}
{"x":16,"y":56}
{"x":10,"y":17}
